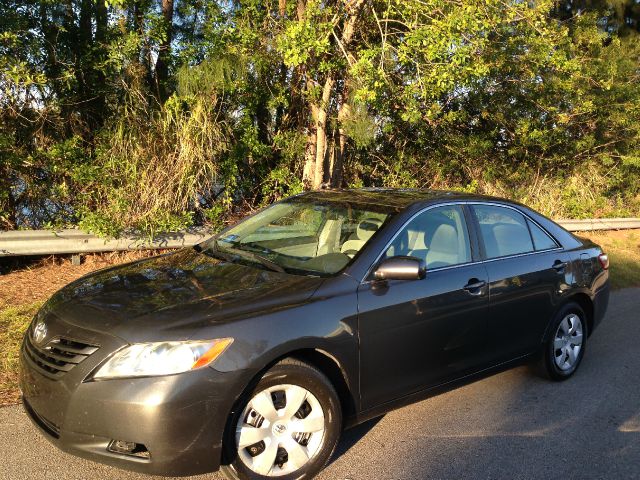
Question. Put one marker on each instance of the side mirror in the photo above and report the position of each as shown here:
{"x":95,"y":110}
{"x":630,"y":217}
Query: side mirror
{"x":401,"y":268}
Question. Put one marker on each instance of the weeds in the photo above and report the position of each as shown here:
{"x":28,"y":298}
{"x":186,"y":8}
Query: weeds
{"x":13,"y":323}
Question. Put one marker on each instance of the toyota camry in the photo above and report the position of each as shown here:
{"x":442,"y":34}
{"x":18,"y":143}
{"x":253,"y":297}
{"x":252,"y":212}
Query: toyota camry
{"x":253,"y":350}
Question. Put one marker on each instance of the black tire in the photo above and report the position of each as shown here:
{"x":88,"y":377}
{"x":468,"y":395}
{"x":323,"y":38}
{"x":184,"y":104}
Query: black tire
{"x":291,"y":372}
{"x":548,"y":364}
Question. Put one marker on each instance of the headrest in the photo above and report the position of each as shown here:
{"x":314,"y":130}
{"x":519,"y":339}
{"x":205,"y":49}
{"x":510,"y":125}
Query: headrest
{"x":445,"y":239}
{"x":367,"y":227}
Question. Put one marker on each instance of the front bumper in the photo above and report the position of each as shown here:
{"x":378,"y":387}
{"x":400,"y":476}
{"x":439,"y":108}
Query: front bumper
{"x":180,"y":419}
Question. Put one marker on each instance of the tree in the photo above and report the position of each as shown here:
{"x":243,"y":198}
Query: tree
{"x":164,"y":51}
{"x":158,"y":114}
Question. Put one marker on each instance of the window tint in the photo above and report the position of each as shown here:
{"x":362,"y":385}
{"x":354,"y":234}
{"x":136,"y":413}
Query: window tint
{"x":504,"y":231}
{"x":541,"y":240}
{"x":438,"y":236}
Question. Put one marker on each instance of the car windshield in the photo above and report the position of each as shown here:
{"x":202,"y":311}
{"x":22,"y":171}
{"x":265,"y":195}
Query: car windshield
{"x":301,"y":237}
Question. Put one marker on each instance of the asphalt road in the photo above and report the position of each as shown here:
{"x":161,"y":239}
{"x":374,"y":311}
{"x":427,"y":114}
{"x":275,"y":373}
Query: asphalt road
{"x":513,"y":425}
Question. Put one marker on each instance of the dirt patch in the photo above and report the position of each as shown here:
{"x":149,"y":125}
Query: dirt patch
{"x":36,"y":280}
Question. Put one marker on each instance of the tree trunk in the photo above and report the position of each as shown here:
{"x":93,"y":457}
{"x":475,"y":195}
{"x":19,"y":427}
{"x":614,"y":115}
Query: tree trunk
{"x":322,"y":171}
{"x":85,"y":69}
{"x":321,"y":145}
{"x":101,"y":21}
{"x":85,"y":24}
{"x":50,"y":32}
{"x":69,"y":36}
{"x":343,"y":107}
{"x":144,"y":55}
{"x":100,"y":49}
{"x":332,"y":157}
{"x":338,"y":163}
{"x":164,"y":53}
{"x":319,"y":112}
{"x":344,"y":112}
{"x":308,"y":174}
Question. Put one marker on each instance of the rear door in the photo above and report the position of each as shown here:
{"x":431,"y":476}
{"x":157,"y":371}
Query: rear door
{"x":420,"y":333}
{"x":527,"y":270}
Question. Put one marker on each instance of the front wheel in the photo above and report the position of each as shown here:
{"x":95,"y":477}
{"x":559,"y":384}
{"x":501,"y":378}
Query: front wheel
{"x":287,"y":426}
{"x":565,"y":347}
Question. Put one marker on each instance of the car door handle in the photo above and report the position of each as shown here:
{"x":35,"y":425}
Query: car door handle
{"x":559,"y":266}
{"x":474,"y":287}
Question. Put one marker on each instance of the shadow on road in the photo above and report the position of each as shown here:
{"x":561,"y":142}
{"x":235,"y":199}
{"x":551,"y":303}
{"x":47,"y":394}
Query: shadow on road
{"x":352,"y":436}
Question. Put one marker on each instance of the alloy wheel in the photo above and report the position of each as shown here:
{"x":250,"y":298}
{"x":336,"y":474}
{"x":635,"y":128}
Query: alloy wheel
{"x":568,"y":342}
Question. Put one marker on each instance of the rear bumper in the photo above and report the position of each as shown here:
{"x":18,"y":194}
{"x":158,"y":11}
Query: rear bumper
{"x":600,"y":304}
{"x":180,"y":419}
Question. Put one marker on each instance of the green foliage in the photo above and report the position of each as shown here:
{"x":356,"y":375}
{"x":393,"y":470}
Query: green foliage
{"x":280,"y":183}
{"x":539,"y":101}
{"x":308,"y":38}
{"x":209,"y":77}
{"x":359,"y":125}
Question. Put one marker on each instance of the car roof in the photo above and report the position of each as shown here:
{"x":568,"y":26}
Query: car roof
{"x":393,"y":198}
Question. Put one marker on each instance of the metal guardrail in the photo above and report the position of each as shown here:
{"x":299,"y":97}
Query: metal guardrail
{"x":49,"y":242}
{"x":594,"y":224}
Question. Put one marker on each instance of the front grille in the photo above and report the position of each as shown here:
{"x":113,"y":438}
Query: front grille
{"x":58,"y":356}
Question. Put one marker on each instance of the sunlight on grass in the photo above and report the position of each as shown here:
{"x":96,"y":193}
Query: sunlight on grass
{"x":623,"y":248}
{"x":13,"y":323}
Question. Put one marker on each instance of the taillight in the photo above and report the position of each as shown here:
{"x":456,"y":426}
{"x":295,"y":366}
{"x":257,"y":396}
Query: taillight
{"x":603,"y":258}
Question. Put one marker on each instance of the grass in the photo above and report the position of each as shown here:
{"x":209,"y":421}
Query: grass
{"x":623,"y":248}
{"x":13,"y":323}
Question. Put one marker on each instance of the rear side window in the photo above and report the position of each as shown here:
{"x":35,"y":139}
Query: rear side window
{"x":504,"y":231}
{"x":541,"y":240}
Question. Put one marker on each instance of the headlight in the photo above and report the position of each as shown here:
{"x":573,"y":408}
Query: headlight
{"x":162,"y":358}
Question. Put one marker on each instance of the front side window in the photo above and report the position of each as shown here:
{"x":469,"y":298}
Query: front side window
{"x":299,"y":236}
{"x":438,"y":236}
{"x":503,"y":230}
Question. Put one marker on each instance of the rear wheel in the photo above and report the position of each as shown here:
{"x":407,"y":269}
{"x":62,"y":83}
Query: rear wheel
{"x":565,"y":347}
{"x":286,"y":427}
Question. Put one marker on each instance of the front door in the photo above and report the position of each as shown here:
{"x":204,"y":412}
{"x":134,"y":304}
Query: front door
{"x":421,"y":333}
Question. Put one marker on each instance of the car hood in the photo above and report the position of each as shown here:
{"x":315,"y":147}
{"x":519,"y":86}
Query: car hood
{"x":173,"y":295}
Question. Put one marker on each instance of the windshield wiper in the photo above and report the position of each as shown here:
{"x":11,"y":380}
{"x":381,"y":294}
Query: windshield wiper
{"x":256,"y":257}
{"x":263,"y":260}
